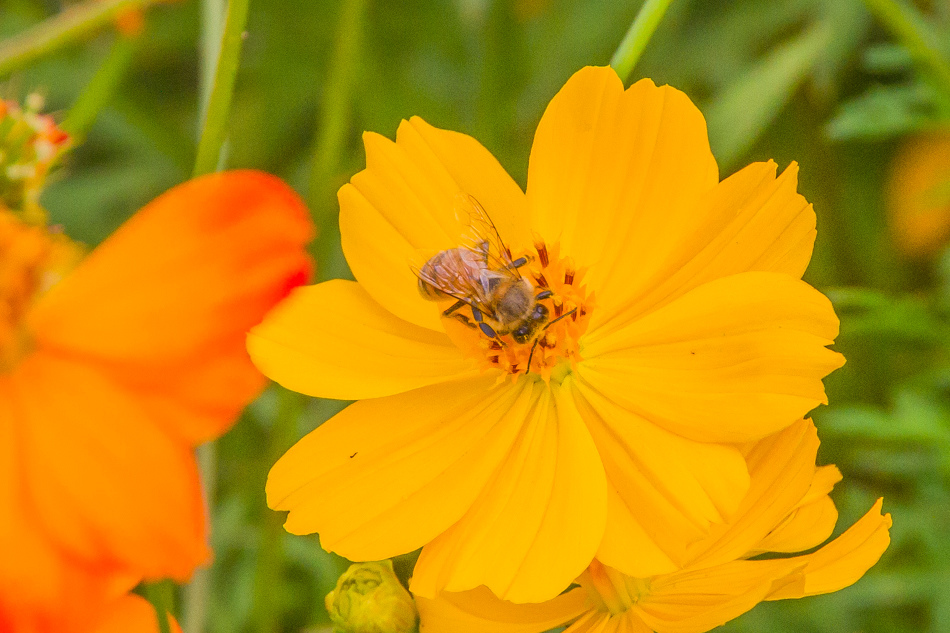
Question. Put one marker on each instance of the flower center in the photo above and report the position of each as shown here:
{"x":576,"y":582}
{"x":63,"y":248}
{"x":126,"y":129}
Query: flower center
{"x":32,"y":259}
{"x":610,"y":590}
{"x":542,"y":335}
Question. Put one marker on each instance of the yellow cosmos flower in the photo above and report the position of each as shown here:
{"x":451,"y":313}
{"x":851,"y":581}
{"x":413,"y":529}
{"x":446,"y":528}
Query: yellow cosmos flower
{"x":619,"y":440}
{"x":786,"y":510}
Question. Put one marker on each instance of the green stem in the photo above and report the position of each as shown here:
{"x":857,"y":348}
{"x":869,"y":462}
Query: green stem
{"x":333,"y":124}
{"x":215,"y":127}
{"x":638,"y":35}
{"x":265,"y":615}
{"x":914,"y":33}
{"x":101,"y":88}
{"x":162,"y":596}
{"x":64,"y":28}
{"x":197,"y":594}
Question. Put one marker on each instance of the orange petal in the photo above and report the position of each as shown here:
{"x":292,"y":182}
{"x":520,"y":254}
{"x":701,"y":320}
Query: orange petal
{"x":617,"y":177}
{"x":104,"y":479}
{"x":843,"y":561}
{"x":404,"y":203}
{"x":41,"y":589}
{"x":177,"y":287}
{"x":537,"y":524}
{"x":672,"y":487}
{"x":733,"y":360}
{"x":479,"y":611}
{"x":386,"y":476}
{"x":333,"y":340}
{"x":132,"y":614}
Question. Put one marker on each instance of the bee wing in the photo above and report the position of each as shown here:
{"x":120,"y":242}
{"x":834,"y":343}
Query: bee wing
{"x":484,"y":234}
{"x":457,"y":273}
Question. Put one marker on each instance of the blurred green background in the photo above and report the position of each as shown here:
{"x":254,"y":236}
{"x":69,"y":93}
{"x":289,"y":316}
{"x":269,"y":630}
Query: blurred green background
{"x":837,"y":85}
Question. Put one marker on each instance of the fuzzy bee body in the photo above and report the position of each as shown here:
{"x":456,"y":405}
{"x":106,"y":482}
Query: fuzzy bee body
{"x":485,"y":278}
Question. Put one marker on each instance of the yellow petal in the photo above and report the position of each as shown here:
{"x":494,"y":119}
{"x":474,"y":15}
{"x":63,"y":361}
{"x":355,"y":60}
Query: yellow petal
{"x":479,"y":611}
{"x":628,"y":544}
{"x":671,"y":486}
{"x":733,"y":360}
{"x":404,"y":202}
{"x":825,"y":479}
{"x":782,"y":468}
{"x":333,"y":340}
{"x":843,"y":561}
{"x":385,"y":476}
{"x":617,"y":177}
{"x":537,"y":526}
{"x":750,"y":221}
{"x":696,"y":601}
{"x":808,"y":526}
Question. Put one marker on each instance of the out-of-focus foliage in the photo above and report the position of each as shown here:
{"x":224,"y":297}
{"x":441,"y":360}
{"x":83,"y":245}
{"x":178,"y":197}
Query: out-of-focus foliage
{"x":821,"y":82}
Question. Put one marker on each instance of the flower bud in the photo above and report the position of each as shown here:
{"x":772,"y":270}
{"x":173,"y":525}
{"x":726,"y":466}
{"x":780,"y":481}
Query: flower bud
{"x":370,"y":599}
{"x":30,"y":143}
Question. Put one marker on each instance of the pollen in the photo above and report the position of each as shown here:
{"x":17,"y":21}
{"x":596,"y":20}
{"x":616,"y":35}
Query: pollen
{"x":32,"y":259}
{"x":555,"y":346}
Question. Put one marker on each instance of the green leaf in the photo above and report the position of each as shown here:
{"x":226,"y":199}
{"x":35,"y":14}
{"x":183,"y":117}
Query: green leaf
{"x":741,"y":113}
{"x":883,"y":112}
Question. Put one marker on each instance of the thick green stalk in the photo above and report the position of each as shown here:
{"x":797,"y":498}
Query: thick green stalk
{"x":101,"y":88}
{"x":638,"y":35}
{"x":333,"y":125}
{"x":161,"y":595}
{"x":215,"y":126}
{"x":64,"y":28}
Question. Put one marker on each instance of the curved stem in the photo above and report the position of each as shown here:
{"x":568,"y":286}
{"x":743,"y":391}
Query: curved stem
{"x":638,"y":35}
{"x":913,"y":32}
{"x":214,"y":129}
{"x":100,"y":90}
{"x":62,"y":29}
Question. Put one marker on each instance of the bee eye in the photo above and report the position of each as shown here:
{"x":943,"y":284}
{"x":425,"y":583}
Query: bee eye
{"x":540,"y":313}
{"x":521,"y":334}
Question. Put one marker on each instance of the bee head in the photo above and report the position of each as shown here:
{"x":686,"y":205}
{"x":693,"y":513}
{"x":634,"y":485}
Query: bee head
{"x":523,"y":333}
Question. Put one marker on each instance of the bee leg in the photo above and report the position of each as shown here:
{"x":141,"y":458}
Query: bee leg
{"x":544,"y":294}
{"x":518,"y":263}
{"x":455,"y":306}
{"x":537,"y":339}
{"x":464,"y":320}
{"x":484,"y":327}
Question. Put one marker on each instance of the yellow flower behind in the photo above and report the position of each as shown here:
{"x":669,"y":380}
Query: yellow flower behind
{"x":786,"y":510}
{"x":686,"y":330}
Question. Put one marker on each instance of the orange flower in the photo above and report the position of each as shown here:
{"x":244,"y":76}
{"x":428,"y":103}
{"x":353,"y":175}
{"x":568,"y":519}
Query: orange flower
{"x":919,"y":195}
{"x":110,"y":374}
{"x":513,"y":460}
{"x":786,"y":510}
{"x":131,"y":614}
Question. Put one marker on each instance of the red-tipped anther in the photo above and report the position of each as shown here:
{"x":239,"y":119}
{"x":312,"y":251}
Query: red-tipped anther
{"x":542,"y":253}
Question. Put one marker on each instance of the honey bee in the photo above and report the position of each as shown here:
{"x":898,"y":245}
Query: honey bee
{"x":484,"y":277}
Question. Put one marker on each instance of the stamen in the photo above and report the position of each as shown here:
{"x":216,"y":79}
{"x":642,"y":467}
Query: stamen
{"x":545,"y":347}
{"x":542,"y":250}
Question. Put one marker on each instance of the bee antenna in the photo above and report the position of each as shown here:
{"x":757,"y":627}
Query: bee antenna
{"x":537,"y":339}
